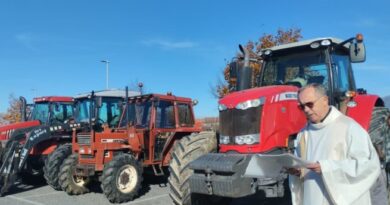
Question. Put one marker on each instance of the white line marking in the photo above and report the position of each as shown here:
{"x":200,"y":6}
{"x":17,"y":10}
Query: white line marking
{"x":151,"y":198}
{"x":25,"y":200}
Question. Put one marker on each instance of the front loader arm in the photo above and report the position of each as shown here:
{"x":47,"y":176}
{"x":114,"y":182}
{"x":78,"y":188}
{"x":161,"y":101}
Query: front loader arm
{"x":18,"y":148}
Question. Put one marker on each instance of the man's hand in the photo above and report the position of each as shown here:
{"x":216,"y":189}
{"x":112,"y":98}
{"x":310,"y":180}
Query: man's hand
{"x":294,"y":171}
{"x":315,"y":167}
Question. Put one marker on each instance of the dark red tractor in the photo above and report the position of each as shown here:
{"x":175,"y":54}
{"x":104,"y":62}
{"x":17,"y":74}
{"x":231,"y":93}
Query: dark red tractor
{"x":150,"y":128}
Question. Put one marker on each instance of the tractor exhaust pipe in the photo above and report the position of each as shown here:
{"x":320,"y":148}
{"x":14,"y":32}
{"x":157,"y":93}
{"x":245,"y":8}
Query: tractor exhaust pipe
{"x":244,"y":77}
{"x":126,"y":104}
{"x":23,"y":107}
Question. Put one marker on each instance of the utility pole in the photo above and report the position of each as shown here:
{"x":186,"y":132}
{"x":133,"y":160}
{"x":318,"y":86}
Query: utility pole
{"x":106,"y":62}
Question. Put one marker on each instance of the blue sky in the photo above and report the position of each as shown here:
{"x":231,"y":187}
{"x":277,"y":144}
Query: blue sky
{"x":53,"y":47}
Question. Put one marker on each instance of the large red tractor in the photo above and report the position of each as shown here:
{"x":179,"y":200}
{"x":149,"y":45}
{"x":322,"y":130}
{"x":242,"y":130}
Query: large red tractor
{"x":266,"y":119}
{"x":150,"y":127}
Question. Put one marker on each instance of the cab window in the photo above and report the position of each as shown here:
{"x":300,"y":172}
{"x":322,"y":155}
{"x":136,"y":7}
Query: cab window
{"x":165,"y":116}
{"x":185,"y":115}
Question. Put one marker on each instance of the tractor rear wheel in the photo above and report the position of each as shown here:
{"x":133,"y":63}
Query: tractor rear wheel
{"x":53,"y":163}
{"x":121,"y":179}
{"x":71,"y":184}
{"x":379,"y":131}
{"x":185,"y":151}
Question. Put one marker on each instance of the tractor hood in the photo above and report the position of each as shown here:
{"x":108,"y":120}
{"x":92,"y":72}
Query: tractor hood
{"x":270,"y":94}
{"x":6,"y":131}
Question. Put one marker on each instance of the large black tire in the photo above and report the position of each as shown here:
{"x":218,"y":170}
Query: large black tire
{"x":53,"y":163}
{"x":379,"y":129}
{"x":1,"y":153}
{"x":185,"y":151}
{"x":73,"y":185}
{"x":380,"y":135}
{"x":121,"y":179}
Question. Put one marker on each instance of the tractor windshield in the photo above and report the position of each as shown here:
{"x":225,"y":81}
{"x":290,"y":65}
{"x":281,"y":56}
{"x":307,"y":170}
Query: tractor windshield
{"x":61,"y":112}
{"x":40,"y":111}
{"x":139,"y":113}
{"x":298,"y":68}
{"x":82,"y":110}
{"x":110,"y":111}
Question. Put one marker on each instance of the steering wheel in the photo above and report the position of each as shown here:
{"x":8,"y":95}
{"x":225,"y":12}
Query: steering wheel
{"x":99,"y":121}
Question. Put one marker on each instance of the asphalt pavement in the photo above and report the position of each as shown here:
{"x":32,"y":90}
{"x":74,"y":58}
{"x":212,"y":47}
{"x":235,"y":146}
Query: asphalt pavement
{"x":153,"y":192}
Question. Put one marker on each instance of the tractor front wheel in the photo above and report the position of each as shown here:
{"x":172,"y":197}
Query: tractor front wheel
{"x":70,"y":183}
{"x":121,"y":179}
{"x":53,"y":163}
{"x":188,"y":149}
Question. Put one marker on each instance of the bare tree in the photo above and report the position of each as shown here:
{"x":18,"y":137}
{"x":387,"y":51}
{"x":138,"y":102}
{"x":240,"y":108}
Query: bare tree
{"x":265,"y":41}
{"x":13,"y":111}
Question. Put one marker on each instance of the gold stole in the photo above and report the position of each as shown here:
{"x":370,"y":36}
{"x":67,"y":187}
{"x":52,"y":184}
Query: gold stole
{"x":303,"y":151}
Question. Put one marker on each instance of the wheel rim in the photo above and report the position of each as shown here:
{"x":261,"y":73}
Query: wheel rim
{"x":127,"y":179}
{"x":79,"y":181}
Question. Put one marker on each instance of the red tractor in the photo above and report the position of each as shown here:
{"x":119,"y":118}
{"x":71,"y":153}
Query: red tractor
{"x":45,"y":111}
{"x":266,"y":119}
{"x":150,"y":127}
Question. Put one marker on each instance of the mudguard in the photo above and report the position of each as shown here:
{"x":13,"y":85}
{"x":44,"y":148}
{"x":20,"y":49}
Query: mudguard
{"x":362,"y":111}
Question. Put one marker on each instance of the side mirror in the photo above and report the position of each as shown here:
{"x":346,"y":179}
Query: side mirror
{"x":357,"y":52}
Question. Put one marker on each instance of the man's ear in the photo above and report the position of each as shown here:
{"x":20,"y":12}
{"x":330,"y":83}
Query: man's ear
{"x":326,"y":98}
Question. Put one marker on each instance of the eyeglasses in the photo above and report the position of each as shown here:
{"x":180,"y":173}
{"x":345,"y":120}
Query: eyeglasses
{"x":310,"y":105}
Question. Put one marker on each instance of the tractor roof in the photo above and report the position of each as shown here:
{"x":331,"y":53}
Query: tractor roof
{"x":305,"y":43}
{"x":168,"y":96}
{"x":109,"y":93}
{"x":53,"y":99}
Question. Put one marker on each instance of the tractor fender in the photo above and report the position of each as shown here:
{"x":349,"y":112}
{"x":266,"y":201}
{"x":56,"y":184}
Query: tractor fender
{"x":363,"y":109}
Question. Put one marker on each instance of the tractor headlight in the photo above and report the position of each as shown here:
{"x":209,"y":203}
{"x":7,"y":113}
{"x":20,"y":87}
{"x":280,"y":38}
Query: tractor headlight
{"x":247,"y":139}
{"x":222,"y":107}
{"x":224,"y":139}
{"x":250,"y":103}
{"x":316,"y":44}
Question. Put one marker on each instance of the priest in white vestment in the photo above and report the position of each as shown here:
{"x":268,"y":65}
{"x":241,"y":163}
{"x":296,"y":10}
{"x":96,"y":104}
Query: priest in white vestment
{"x":345,"y":163}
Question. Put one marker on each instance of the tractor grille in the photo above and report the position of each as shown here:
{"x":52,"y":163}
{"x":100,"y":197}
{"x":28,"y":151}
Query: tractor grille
{"x":235,"y":122}
{"x":84,"y":139}
{"x":86,"y":156}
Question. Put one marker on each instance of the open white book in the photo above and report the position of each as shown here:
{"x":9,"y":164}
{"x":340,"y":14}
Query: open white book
{"x":268,"y":166}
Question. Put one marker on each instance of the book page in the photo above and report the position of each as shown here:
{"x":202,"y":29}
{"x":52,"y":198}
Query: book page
{"x":266,"y":165}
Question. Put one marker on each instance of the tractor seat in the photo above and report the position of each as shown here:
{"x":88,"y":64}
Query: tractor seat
{"x":298,"y":82}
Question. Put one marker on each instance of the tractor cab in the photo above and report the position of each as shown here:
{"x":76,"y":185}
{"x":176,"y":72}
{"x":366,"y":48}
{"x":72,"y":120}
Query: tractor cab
{"x":325,"y":61}
{"x":49,"y":110}
{"x":44,"y":111}
{"x":101,"y":107}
